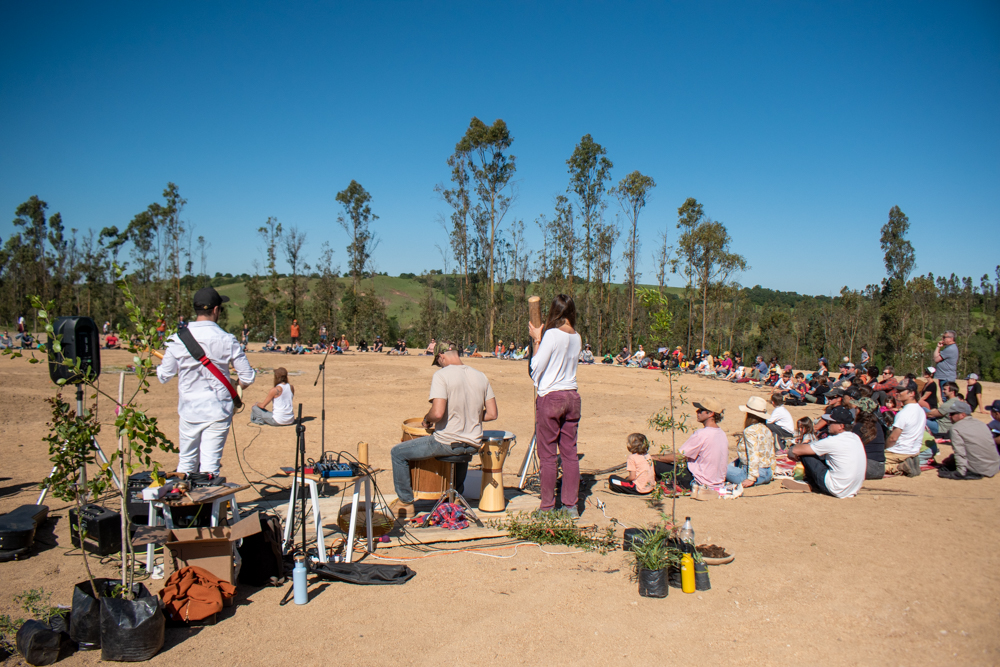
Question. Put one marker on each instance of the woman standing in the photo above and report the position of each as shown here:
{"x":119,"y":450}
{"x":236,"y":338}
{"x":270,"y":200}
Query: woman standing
{"x":557,"y":408}
{"x":282,"y":394}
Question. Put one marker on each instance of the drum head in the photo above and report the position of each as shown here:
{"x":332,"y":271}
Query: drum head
{"x":497,"y":436}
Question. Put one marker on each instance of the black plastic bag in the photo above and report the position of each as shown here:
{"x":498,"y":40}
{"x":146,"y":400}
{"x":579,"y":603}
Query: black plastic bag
{"x":131,"y":630}
{"x":653,"y":583}
{"x":701,"y":582}
{"x":85,"y":617}
{"x":39,"y":643}
{"x":261,"y":554}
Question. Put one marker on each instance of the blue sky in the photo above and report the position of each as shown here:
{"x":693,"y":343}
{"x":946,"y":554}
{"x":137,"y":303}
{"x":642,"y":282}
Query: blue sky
{"x":798,"y":125}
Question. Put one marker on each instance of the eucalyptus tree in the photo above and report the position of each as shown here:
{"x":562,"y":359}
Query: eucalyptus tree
{"x":297,"y":283}
{"x":459,"y":198}
{"x":270,"y":233}
{"x":632,"y":193}
{"x":900,"y":260}
{"x":356,"y":220}
{"x":589,"y":173}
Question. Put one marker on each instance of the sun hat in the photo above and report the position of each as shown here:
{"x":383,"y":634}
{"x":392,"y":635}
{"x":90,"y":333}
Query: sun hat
{"x":756,"y":406}
{"x":709,"y":404}
{"x":958,"y":407}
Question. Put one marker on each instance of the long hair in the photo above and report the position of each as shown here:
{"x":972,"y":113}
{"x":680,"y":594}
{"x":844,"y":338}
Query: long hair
{"x":752,"y":419}
{"x":562,"y":310}
{"x":868,"y":423}
{"x":280,"y":375}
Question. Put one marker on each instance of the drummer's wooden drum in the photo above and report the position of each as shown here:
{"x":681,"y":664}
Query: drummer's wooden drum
{"x":496,"y":445}
{"x":429,"y":476}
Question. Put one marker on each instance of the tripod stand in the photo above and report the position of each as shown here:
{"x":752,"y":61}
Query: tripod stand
{"x":94,"y":443}
{"x":322,"y":428}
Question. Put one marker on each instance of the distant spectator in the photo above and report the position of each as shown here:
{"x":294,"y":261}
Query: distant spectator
{"x":430,"y":347}
{"x":872,"y":434}
{"x":946,"y":358}
{"x":498,"y":350}
{"x":725,"y":366}
{"x":834,"y":466}
{"x":6,"y":342}
{"x":639,"y":355}
{"x":974,"y":392}
{"x":295,"y":332}
{"x":377,"y":347}
{"x":780,"y":416}
{"x":886,"y":386}
{"x":344,"y":345}
{"x":111,"y":342}
{"x":623,"y":357}
{"x":865,"y":357}
{"x":246,"y":334}
{"x":928,"y":393}
{"x":760,"y":370}
{"x":976,"y":453}
{"x":362,"y":345}
{"x":161,"y":328}
{"x":587,"y":356}
{"x":323,"y":333}
{"x":939,"y":419}
{"x":785,"y":383}
{"x":995,"y":424}
{"x":107,"y":327}
{"x":181,"y":324}
{"x":823,"y":368}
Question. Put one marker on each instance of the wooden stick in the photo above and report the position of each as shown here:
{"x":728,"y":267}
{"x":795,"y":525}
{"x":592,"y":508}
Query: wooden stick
{"x":535,"y":310}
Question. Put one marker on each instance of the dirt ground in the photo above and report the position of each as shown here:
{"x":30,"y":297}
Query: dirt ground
{"x":906,"y":573}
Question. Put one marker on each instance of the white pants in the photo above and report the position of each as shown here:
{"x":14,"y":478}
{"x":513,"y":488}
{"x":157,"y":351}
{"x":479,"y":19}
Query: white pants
{"x":201,"y":445}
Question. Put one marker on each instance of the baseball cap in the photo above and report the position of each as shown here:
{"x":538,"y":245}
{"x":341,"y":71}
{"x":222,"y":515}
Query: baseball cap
{"x":971,"y":376}
{"x":958,"y":407}
{"x":709,"y":404}
{"x":439,"y":349}
{"x":907,"y":386}
{"x":207,"y":298}
{"x":995,"y":406}
{"x":839,"y":415}
{"x":931,"y":370}
{"x":836,"y":392}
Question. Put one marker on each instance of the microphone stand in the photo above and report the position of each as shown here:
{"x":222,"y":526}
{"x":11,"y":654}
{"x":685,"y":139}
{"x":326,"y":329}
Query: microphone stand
{"x":300,"y":469}
{"x":322,"y":432}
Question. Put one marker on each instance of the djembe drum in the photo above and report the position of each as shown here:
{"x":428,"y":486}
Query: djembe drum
{"x":429,"y":477}
{"x":496,"y":445}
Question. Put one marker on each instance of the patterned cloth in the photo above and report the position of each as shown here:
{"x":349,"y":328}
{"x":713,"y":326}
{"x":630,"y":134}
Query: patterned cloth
{"x":448,"y":515}
{"x":756,"y":449}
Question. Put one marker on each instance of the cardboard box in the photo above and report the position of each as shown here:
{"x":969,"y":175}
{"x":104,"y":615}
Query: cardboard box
{"x":212,"y":549}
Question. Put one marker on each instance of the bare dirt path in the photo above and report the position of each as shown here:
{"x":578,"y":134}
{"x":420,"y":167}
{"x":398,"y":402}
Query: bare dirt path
{"x":906,"y":573}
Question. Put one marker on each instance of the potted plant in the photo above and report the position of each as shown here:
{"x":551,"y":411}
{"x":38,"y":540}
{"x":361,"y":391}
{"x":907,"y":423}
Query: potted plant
{"x":120,"y":610}
{"x":701,"y":581}
{"x":654,"y":553}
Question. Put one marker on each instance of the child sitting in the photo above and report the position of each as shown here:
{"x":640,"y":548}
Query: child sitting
{"x":805,"y":431}
{"x":639,"y":465}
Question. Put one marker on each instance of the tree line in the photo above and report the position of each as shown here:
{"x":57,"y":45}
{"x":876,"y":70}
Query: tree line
{"x":591,"y":236}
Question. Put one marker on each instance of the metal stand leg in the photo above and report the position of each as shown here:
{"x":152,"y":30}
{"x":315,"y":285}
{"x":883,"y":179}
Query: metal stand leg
{"x":529,"y":461}
{"x":349,"y":553}
{"x":286,"y":542}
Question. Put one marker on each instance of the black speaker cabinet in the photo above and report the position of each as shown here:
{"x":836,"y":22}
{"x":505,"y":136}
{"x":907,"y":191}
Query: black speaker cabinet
{"x":81,"y":340}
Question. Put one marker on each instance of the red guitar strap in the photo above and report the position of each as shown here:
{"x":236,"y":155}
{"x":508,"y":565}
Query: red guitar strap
{"x":196,"y":351}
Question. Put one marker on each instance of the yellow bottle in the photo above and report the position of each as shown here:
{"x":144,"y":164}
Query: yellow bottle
{"x":687,"y":573}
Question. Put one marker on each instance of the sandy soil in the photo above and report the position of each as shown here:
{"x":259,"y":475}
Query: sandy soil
{"x":906,"y":573}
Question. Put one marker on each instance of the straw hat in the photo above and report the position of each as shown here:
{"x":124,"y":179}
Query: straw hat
{"x":709,"y":404}
{"x":756,"y":406}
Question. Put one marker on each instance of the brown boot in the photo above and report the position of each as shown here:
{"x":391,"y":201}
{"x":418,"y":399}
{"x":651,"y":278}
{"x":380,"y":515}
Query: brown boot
{"x":401,"y":510}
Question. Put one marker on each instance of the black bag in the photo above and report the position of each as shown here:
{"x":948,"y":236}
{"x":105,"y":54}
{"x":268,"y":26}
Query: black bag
{"x":261,"y":553}
{"x":653,"y":583}
{"x":85,"y":617}
{"x":38,"y":643}
{"x":132,"y":630}
{"x":361,"y":573}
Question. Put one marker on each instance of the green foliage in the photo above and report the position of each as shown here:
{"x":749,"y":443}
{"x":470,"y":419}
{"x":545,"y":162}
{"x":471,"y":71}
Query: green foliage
{"x":355,"y":220}
{"x":37,"y":604}
{"x":654,"y":551}
{"x":555,"y":528}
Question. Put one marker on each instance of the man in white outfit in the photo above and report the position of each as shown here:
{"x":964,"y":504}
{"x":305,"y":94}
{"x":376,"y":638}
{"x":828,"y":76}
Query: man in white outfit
{"x":204,"y":404}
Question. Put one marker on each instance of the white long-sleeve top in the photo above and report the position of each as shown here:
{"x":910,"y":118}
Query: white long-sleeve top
{"x":553,"y":368}
{"x":200,"y":396}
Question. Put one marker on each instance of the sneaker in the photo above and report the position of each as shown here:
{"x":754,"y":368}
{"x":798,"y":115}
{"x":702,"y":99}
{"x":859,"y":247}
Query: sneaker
{"x":910,"y":466}
{"x":794,"y":485}
{"x":571,"y":511}
{"x":401,"y":510}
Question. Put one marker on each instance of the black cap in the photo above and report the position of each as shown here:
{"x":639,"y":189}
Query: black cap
{"x":839,"y":415}
{"x":907,"y":386}
{"x":835,"y":392}
{"x":207,"y":298}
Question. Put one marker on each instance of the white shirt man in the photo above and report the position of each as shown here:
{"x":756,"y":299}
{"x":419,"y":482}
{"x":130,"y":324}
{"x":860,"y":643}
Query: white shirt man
{"x":835,"y":465}
{"x":902,"y":447}
{"x":204,"y":405}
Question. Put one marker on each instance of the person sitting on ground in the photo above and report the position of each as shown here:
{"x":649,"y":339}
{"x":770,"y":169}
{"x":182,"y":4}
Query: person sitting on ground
{"x":784,"y":384}
{"x":973,"y":392}
{"x":362,"y":345}
{"x":111,"y":342}
{"x":343,"y":344}
{"x":805,"y":431}
{"x":754,"y":464}
{"x":641,"y":479}
{"x":725,"y":367}
{"x":995,"y":423}
{"x":638,"y":357}
{"x":847,"y":371}
{"x":902,"y":447}
{"x":817,"y":393}
{"x":587,"y":356}
{"x":835,"y":465}
{"x":522,"y":353}
{"x":869,"y":429}
{"x":377,"y":347}
{"x":430,"y":347}
{"x":608,"y":359}
{"x":799,"y":387}
{"x":928,"y":393}
{"x":886,"y":385}
{"x":975,"y":453}
{"x":498,"y":350}
{"x":707,"y":363}
{"x":782,"y":418}
{"x":706,"y":452}
{"x":735,"y":373}
{"x":678,"y":355}
{"x":622,"y":357}
{"x":511,"y":349}
{"x":761,"y":371}
{"x":282,"y":394}
{"x":939,"y":419}
{"x":5,"y":341}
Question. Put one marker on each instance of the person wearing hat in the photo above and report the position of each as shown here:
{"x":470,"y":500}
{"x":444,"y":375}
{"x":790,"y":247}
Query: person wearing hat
{"x":754,"y":464}
{"x":706,"y":452}
{"x":461,"y":400}
{"x":587,"y":356}
{"x":902,"y":447}
{"x":973,"y":392}
{"x":204,"y":404}
{"x":869,"y":429}
{"x":841,"y":470}
{"x":995,"y":424}
{"x":975,"y":454}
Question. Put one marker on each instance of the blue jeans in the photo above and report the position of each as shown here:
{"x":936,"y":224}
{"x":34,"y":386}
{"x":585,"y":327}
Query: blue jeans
{"x":418,"y":449}
{"x":737,"y":472}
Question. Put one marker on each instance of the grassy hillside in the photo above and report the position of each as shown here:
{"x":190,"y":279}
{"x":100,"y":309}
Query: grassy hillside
{"x":402,"y":297}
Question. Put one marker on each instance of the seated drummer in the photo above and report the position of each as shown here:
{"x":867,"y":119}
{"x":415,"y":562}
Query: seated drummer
{"x":461,"y":400}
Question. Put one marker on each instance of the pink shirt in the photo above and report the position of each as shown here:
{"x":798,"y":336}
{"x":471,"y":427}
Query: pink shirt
{"x":642,"y":466}
{"x":707,"y":453}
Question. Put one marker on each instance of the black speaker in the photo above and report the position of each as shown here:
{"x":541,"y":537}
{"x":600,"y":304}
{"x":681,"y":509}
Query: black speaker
{"x":81,"y":340}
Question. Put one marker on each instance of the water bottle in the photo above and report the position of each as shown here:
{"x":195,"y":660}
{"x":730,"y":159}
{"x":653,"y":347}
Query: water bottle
{"x":299,"y":581}
{"x":686,"y":533}
{"x":687,"y":570}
